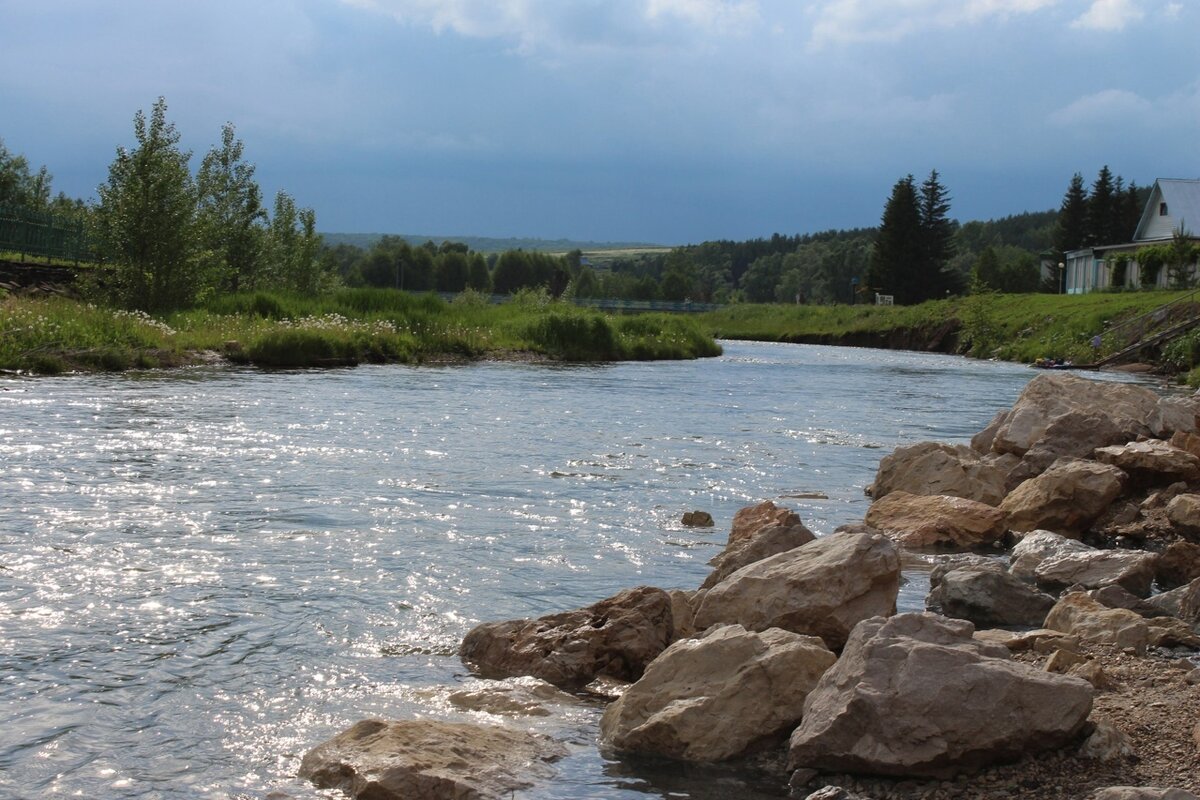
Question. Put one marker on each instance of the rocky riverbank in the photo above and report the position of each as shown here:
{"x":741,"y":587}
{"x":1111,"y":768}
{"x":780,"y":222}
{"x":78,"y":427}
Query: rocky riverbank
{"x":1057,"y":658}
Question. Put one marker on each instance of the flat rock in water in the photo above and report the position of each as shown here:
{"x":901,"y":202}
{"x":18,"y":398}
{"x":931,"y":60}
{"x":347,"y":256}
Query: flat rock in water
{"x":430,"y":760}
{"x":616,"y":637}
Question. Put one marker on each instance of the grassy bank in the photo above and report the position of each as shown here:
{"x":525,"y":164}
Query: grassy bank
{"x":346,"y":327}
{"x":1008,"y":327}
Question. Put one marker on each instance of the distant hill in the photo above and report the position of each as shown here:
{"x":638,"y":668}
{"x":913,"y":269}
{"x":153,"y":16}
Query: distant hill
{"x":485,"y":244}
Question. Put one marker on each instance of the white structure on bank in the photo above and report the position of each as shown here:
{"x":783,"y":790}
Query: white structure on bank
{"x":1173,"y":204}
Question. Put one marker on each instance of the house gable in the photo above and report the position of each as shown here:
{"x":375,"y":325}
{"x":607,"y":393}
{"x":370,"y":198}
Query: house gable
{"x":1172,"y":203}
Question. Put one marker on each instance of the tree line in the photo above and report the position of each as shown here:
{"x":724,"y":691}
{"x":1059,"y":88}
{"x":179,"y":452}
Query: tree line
{"x":170,"y":238}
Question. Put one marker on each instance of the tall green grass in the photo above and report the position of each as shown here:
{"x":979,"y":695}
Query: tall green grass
{"x":345,"y":327}
{"x":1007,"y":327}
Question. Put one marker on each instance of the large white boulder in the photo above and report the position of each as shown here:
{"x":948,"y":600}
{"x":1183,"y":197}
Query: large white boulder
{"x":939,"y":469}
{"x":822,"y":589}
{"x":923,"y":522}
{"x":1065,"y":498}
{"x":714,"y":697}
{"x":916,"y":695}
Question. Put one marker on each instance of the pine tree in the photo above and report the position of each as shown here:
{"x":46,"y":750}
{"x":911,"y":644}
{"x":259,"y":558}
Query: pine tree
{"x":899,"y":247}
{"x":938,"y":234}
{"x":1102,"y":207}
{"x":1071,"y":232}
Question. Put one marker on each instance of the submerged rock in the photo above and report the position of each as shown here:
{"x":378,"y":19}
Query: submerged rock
{"x":714,"y":697}
{"x":617,"y":637}
{"x":429,"y":760}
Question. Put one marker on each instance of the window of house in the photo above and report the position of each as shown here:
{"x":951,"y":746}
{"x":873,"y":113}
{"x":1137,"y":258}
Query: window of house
{"x":1162,"y":209}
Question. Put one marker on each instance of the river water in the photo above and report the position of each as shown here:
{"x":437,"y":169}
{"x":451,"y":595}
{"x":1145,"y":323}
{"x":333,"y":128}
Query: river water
{"x":205,"y":572}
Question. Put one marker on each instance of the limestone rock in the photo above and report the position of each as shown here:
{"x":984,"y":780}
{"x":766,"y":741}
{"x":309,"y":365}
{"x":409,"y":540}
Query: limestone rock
{"x":714,"y":697}
{"x":1114,"y":596}
{"x":962,"y":561}
{"x":428,"y":760}
{"x":749,"y":520}
{"x":1067,"y":497}
{"x":916,"y":695}
{"x":1171,"y":632}
{"x":1178,"y":564}
{"x":1152,"y":462}
{"x":765,"y":532}
{"x":1183,"y":512}
{"x":1074,"y":435}
{"x":936,"y":521}
{"x":1078,"y":614}
{"x":932,"y":468}
{"x":1142,"y":793}
{"x":618,"y":637}
{"x":1174,"y":415}
{"x":1182,"y":602}
{"x":1051,"y":396}
{"x":988,"y":596}
{"x":1131,"y":569}
{"x":697,"y":519}
{"x":823,"y":588}
{"x":1039,"y":640}
{"x":1186,"y":441}
{"x":515,"y":697}
{"x":1036,"y":547}
{"x":1107,"y":743}
{"x":683,"y":611}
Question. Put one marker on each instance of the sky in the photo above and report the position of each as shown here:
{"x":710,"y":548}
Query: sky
{"x":666,"y":121}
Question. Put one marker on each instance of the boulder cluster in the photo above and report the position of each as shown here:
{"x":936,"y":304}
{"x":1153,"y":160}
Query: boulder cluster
{"x":1068,"y":529}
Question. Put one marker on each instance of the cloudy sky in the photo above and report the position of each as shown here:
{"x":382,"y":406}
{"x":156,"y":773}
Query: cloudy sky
{"x":650,"y":120}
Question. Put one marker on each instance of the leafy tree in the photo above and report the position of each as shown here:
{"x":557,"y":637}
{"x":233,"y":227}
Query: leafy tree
{"x":293,"y":247}
{"x":585,"y":283}
{"x":1181,"y":255}
{"x":1071,"y":230}
{"x":145,"y":220}
{"x":986,"y":274}
{"x":452,"y":268}
{"x":760,"y":280}
{"x":513,"y":272}
{"x":230,"y":214}
{"x":477,"y":274}
{"x":21,"y":187}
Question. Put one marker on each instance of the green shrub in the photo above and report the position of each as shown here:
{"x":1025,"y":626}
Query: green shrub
{"x":300,"y":347}
{"x":574,"y":336}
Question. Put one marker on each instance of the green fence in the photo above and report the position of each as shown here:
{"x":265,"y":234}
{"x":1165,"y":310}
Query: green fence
{"x":40,"y":234}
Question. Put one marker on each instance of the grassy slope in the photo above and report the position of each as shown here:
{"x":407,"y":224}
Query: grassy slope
{"x":345,"y":327}
{"x":1009,"y":327}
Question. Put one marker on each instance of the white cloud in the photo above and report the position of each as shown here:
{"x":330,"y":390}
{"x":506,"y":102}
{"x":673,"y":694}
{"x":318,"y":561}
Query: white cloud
{"x":854,"y":21}
{"x":1109,"y":105}
{"x":1109,"y":15}
{"x":556,"y":25}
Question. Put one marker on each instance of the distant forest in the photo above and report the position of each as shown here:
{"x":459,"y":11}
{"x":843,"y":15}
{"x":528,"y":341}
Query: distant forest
{"x":224,"y":239}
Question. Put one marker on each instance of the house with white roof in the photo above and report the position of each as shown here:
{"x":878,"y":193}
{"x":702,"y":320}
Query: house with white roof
{"x":1173,"y":205}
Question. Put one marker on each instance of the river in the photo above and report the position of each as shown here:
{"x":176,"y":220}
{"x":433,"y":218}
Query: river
{"x":205,"y":572}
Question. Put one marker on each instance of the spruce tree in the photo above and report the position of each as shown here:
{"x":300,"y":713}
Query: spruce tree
{"x":899,"y":247}
{"x":1102,"y":207}
{"x":937,"y":230}
{"x":1071,"y":232}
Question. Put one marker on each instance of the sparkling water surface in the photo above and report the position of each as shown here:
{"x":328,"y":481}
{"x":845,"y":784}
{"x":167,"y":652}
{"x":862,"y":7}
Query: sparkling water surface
{"x":205,"y":572}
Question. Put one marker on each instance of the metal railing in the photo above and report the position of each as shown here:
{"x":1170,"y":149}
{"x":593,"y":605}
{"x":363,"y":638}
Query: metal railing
{"x":42,"y":234}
